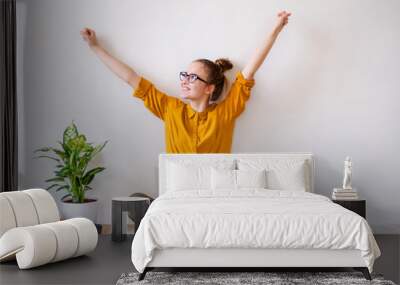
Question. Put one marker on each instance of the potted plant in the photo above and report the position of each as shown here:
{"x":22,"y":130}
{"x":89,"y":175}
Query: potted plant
{"x":72,"y":173}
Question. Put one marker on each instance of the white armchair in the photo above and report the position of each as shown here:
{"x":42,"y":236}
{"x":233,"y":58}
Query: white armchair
{"x":31,"y":230}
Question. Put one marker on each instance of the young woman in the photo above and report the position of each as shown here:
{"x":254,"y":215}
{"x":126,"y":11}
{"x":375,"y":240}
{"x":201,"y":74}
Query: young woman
{"x":202,"y":125}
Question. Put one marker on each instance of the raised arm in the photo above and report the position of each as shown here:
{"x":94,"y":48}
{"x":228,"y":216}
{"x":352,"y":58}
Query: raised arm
{"x":261,"y":53}
{"x":122,"y":70}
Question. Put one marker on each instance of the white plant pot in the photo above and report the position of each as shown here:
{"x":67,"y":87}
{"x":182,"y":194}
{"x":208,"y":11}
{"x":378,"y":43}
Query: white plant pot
{"x":74,"y":210}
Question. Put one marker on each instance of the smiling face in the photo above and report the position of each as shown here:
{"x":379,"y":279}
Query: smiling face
{"x":197,"y":90}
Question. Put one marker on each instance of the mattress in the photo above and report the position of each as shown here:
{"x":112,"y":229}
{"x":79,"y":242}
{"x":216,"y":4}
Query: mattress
{"x":253,"y":218}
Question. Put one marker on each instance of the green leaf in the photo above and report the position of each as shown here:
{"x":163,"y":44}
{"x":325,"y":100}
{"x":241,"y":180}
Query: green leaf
{"x":88,"y":177}
{"x":64,"y":172}
{"x":95,"y":170}
{"x":62,"y":187}
{"x":59,"y":152}
{"x":54,"y":185}
{"x":99,"y":148}
{"x":82,"y":138}
{"x":43,"y":149}
{"x":65,"y":196}
{"x":55,"y":179}
{"x":72,"y":160}
{"x":46,"y":156}
{"x":65,"y":148}
{"x":70,"y":133}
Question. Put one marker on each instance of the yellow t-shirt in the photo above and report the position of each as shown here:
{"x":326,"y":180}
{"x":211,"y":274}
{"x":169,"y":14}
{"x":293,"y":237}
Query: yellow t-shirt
{"x":188,"y":131}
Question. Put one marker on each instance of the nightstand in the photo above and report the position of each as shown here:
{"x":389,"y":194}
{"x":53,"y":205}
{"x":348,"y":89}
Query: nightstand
{"x":357,"y":206}
{"x":136,"y":206}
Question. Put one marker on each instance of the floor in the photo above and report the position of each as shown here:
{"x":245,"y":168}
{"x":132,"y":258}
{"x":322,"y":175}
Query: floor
{"x":111,"y":259}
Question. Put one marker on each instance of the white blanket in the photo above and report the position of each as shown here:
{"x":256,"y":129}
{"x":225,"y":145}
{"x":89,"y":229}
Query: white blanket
{"x":250,"y":218}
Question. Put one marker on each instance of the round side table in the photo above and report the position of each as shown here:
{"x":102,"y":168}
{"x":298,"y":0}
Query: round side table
{"x":136,"y":206}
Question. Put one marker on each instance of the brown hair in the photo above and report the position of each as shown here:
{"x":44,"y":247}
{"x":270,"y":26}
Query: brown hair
{"x":216,"y":75}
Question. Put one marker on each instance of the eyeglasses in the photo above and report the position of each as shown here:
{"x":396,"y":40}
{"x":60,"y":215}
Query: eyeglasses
{"x":192,"y":77}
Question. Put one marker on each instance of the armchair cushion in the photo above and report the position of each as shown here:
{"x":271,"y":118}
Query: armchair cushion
{"x":31,"y":230}
{"x":40,"y":244}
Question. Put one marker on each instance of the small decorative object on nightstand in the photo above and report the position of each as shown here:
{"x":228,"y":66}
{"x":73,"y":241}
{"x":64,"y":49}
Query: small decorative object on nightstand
{"x":347,"y":173}
{"x":357,"y":206}
{"x":344,"y":194}
{"x":347,"y":192}
{"x":136,"y":206}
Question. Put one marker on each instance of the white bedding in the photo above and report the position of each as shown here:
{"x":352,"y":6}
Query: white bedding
{"x":250,"y":218}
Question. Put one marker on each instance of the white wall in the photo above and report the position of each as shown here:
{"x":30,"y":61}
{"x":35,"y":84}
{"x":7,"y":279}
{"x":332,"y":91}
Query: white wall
{"x":330,"y":86}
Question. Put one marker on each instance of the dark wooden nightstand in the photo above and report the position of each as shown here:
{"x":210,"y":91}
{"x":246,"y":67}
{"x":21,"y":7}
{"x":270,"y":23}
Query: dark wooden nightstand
{"x":357,"y":206}
{"x":136,"y":207}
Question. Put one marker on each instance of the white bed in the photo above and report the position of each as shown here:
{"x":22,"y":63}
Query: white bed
{"x":249,"y":226}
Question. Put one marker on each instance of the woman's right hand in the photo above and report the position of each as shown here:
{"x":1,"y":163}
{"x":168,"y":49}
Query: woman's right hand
{"x":89,"y":36}
{"x":122,"y":70}
{"x":283,"y":18}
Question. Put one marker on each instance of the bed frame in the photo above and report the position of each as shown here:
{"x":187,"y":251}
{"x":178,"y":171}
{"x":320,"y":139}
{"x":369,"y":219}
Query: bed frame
{"x":250,"y":259}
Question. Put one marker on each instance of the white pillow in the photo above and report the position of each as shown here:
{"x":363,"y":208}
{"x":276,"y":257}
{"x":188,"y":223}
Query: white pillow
{"x":255,"y":178}
{"x":188,"y":174}
{"x":282,"y":174}
{"x":223,"y":179}
{"x":236,"y":179}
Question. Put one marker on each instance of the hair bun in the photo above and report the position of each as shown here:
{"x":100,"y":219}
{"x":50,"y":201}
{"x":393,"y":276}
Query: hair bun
{"x":224,"y":64}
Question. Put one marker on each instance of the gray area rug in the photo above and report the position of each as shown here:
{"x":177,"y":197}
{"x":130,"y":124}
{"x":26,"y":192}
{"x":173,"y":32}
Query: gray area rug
{"x":229,"y":278}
